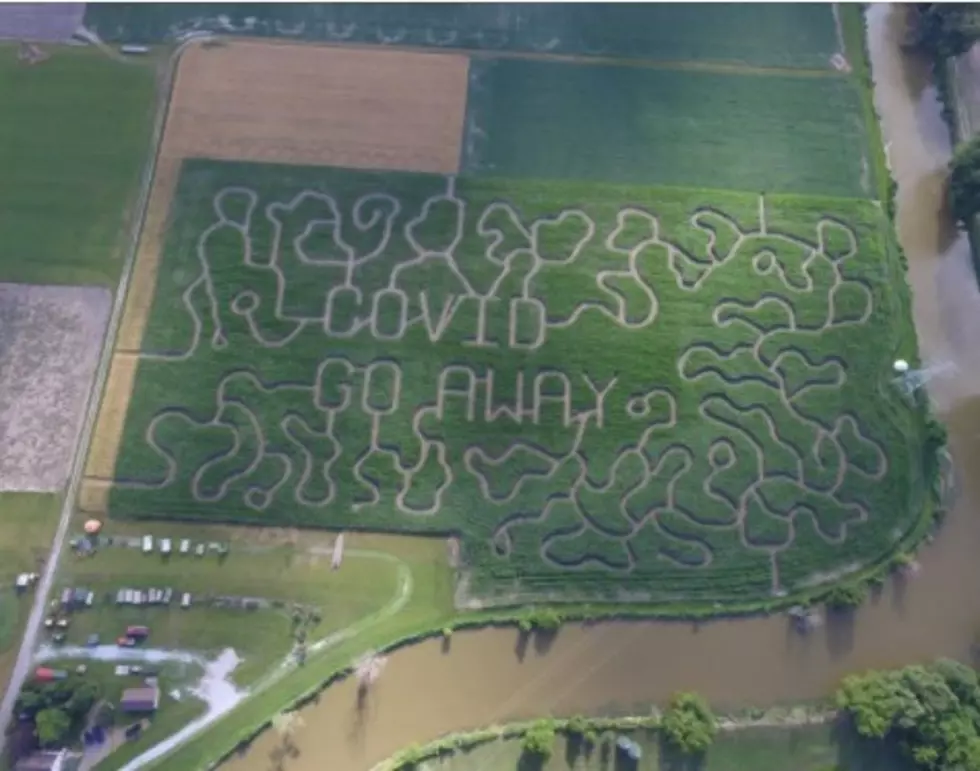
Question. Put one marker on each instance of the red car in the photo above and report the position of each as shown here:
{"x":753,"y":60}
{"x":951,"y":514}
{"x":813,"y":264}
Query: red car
{"x":137,"y":632}
{"x":125,"y":642}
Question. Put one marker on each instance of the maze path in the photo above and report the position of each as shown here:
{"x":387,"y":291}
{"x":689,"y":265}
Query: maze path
{"x":775,"y":456}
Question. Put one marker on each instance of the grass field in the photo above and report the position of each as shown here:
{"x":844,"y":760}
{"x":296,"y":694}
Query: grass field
{"x":268,"y":566}
{"x":27,"y":525}
{"x":778,"y":34}
{"x":689,"y":128}
{"x":803,"y":748}
{"x":72,"y":147}
{"x":739,"y":437}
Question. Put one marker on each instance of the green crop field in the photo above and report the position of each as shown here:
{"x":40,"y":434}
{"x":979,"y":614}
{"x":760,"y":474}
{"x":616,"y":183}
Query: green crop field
{"x":682,"y":393}
{"x":649,"y":126}
{"x":774,"y":34}
{"x":73,"y":142}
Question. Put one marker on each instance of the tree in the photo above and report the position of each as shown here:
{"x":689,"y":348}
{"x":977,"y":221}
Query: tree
{"x":943,"y":30}
{"x":30,"y":701}
{"x":964,"y":181}
{"x":51,"y":726}
{"x":539,"y":740}
{"x":932,"y":711}
{"x":688,"y":724}
{"x":82,"y":700}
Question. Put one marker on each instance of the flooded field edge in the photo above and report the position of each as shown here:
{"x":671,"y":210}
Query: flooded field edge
{"x":486,"y":677}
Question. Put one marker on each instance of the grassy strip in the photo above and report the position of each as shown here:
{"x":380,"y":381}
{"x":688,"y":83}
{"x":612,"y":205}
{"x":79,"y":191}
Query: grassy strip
{"x":27,"y":524}
{"x":468,"y":740}
{"x":587,"y":730}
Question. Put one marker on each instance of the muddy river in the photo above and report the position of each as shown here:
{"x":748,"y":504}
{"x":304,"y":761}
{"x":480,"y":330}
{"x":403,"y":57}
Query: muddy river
{"x":488,"y":676}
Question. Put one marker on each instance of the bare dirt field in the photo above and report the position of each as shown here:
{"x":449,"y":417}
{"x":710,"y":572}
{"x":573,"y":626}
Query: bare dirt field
{"x":50,"y":337}
{"x":280,"y":103}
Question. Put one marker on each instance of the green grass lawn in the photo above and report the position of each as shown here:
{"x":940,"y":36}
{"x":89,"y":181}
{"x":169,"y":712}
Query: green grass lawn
{"x":289,"y":572}
{"x":801,"y":748}
{"x":73,"y":143}
{"x":27,"y":525}
{"x":774,"y":34}
{"x":626,"y":385}
{"x":773,"y":133}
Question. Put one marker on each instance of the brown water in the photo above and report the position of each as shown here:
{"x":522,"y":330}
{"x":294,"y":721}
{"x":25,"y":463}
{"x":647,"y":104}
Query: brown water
{"x":488,"y":677}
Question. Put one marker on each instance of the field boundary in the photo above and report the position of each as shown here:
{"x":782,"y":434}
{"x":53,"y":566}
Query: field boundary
{"x":93,"y":405}
{"x":597,"y":60}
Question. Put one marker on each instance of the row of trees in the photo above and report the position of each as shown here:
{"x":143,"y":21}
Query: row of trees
{"x":940,"y":31}
{"x":687,"y":726}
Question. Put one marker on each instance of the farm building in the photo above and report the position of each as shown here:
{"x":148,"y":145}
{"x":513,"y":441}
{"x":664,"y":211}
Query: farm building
{"x":145,"y":699}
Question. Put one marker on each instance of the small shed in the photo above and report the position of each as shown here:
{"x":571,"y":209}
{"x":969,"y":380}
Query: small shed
{"x":145,"y":699}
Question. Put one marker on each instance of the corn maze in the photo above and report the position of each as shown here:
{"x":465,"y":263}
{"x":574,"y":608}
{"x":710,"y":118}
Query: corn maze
{"x":678,"y":397}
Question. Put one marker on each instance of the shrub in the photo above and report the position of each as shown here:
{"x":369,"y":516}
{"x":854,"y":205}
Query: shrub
{"x":542,"y":619}
{"x":688,"y":724}
{"x":539,"y":740}
{"x":846,"y":596}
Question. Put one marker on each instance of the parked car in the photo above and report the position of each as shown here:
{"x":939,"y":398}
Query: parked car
{"x":125,"y":642}
{"x":138,"y":632}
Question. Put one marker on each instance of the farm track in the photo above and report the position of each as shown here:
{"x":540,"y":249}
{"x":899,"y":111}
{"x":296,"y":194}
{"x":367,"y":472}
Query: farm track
{"x":689,"y":65}
{"x":29,"y":641}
